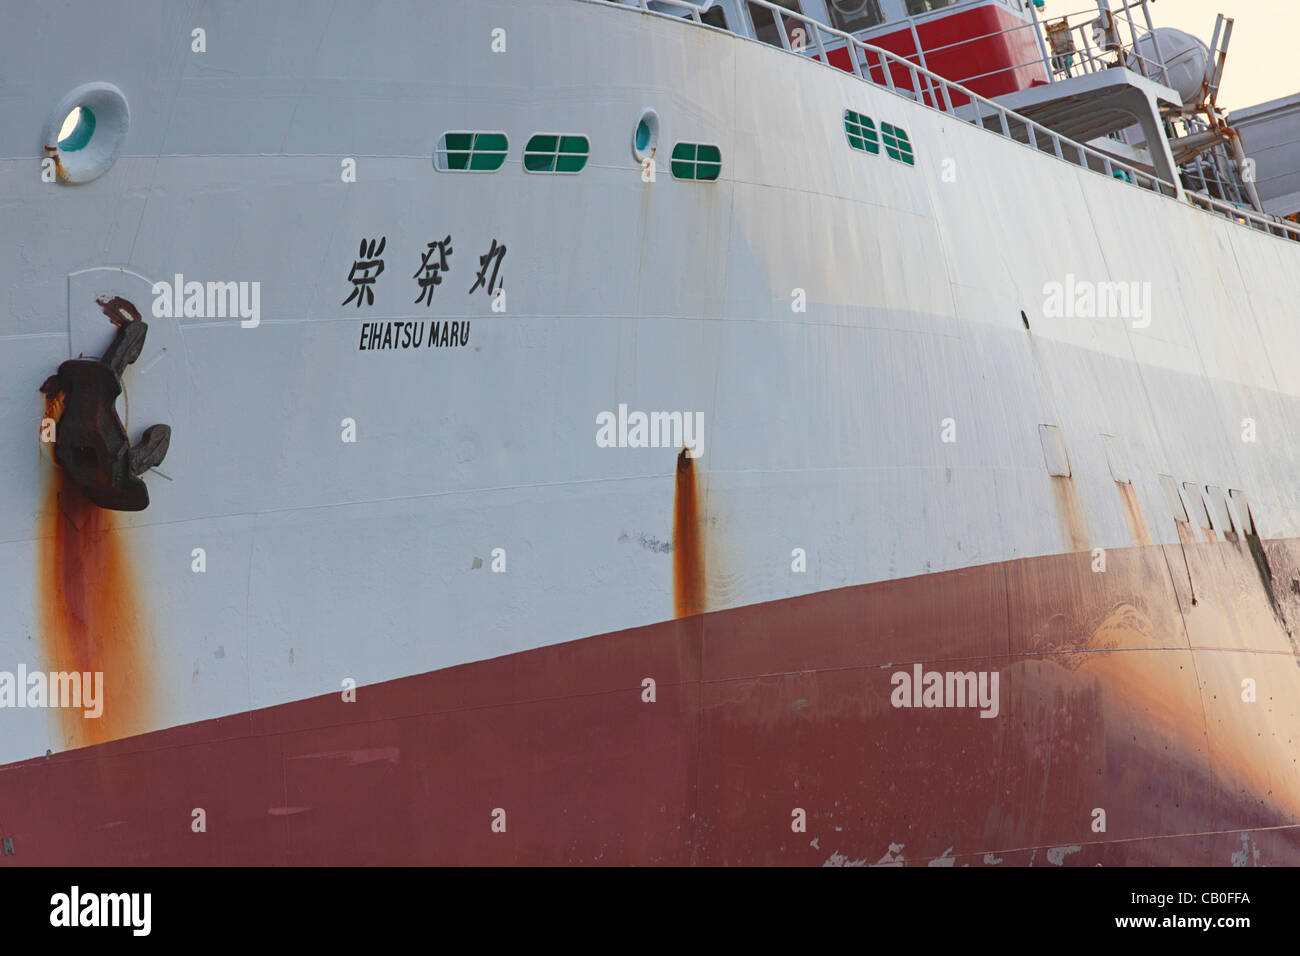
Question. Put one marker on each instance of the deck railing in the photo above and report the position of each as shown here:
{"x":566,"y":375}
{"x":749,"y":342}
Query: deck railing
{"x":1076,"y":44}
{"x":880,"y":67}
{"x":1247,"y":217}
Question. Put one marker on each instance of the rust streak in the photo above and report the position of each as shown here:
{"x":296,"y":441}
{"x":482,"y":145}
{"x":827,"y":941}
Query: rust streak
{"x":52,"y":152}
{"x":90,"y":616}
{"x":1137,"y":525}
{"x":54,"y":411}
{"x":688,"y":544}
{"x":1071,"y":513}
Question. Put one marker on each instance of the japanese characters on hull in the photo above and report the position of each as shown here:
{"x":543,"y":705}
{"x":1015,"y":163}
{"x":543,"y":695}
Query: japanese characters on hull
{"x":434,"y":266}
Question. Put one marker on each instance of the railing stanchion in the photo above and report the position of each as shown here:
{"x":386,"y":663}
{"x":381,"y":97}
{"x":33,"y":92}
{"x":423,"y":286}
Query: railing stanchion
{"x":780,"y":30}
{"x":889,"y":72}
{"x":1155,"y":42}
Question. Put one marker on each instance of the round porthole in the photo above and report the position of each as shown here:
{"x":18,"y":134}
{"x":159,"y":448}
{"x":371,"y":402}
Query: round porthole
{"x":77,"y":129}
{"x":645,"y":135}
{"x":85,"y":132}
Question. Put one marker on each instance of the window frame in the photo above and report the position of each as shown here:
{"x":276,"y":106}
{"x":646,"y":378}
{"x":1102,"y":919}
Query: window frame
{"x":772,"y":20}
{"x":441,"y":153}
{"x":695,"y":162}
{"x":556,"y":154}
{"x":837,"y":19}
{"x":899,"y":137}
{"x":908,"y":6}
{"x":871,"y":144}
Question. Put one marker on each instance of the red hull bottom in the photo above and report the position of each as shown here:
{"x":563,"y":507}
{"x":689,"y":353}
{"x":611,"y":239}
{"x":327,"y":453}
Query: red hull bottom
{"x":1118,"y":693}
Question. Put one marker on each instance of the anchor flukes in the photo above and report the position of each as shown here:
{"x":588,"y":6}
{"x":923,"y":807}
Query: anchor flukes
{"x":91,"y":444}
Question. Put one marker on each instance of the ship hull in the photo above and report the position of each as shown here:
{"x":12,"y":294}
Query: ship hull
{"x":1119,"y":695}
{"x":443,"y":532}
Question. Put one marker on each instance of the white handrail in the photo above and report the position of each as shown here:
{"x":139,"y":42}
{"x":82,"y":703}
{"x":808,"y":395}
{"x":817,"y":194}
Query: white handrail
{"x":1269,"y":224}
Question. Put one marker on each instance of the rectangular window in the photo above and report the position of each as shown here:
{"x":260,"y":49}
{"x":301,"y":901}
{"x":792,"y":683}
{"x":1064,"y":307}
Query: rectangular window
{"x":715,"y":17}
{"x":854,"y":15}
{"x":765,"y":20}
{"x":861,"y":132}
{"x":696,"y":161}
{"x":556,"y":153}
{"x":470,"y":152}
{"x":897,"y":145}
{"x":925,"y":6}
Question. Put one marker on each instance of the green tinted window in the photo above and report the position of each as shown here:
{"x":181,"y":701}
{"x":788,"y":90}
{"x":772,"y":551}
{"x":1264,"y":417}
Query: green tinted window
{"x":897,"y":145}
{"x":861,"y":132}
{"x":556,"y":153}
{"x":697,"y":161}
{"x":471,"y":152}
{"x":80,"y":133}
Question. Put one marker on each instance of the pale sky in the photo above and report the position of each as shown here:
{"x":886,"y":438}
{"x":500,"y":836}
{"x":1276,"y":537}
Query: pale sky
{"x":1264,"y":57}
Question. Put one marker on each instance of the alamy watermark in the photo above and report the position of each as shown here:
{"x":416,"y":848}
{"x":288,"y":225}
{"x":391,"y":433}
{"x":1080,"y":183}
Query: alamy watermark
{"x":1082,"y":299}
{"x":127,"y":910}
{"x":58,"y":689}
{"x":946,"y":689}
{"x":212,"y":300}
{"x":653,"y":430}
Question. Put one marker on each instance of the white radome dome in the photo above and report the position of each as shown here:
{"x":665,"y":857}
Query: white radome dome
{"x":1185,"y":57}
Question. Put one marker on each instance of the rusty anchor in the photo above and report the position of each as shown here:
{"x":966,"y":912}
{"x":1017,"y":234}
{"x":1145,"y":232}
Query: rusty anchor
{"x":91,"y":444}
